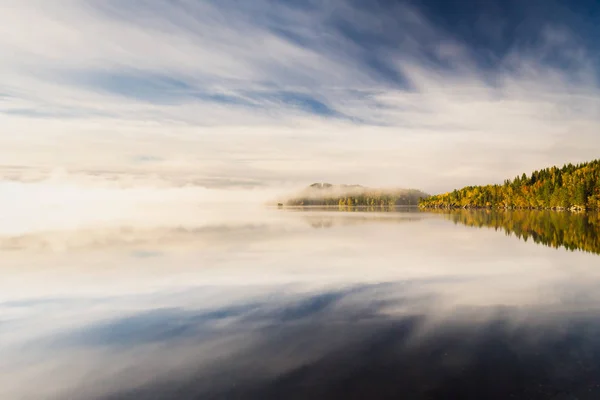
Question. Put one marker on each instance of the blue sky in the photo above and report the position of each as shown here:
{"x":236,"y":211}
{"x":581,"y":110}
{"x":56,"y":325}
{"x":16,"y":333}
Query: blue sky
{"x":425,"y":94}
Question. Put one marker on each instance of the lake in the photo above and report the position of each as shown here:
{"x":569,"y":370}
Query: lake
{"x":267,"y":303}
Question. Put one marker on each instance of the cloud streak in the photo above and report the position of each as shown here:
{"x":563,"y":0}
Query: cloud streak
{"x":283,"y":93}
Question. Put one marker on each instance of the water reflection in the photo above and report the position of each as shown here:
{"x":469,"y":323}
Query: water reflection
{"x":378,"y":305}
{"x":374,"y":341}
{"x":327,"y":217}
{"x":573,"y":231}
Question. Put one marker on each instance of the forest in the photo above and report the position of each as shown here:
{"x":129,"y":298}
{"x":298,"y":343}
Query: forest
{"x":325,"y":194}
{"x":572,"y":187}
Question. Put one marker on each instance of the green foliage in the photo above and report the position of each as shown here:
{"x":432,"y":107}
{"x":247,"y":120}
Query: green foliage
{"x":569,"y":187}
{"x":359,"y":197}
{"x":368,"y":198}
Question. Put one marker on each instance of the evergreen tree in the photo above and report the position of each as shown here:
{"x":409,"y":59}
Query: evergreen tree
{"x":572,"y":186}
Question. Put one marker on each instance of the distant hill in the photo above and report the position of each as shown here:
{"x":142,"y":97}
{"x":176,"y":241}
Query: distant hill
{"x":327,"y":194}
{"x":574,"y":187}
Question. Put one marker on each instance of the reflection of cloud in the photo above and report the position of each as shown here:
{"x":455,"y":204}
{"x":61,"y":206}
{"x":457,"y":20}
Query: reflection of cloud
{"x":147,"y":236}
{"x":137,"y":240}
{"x":149,"y":327}
{"x":492,"y":357}
{"x":282,"y":308}
{"x":322,"y":345}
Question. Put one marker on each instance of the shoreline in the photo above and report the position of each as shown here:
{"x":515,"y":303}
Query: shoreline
{"x":559,"y":209}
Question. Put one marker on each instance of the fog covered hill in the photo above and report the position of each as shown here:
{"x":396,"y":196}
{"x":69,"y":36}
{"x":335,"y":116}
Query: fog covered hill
{"x":327,"y":194}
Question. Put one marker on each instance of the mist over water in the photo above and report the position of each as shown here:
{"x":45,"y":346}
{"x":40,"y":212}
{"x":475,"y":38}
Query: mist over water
{"x":70,"y":203}
{"x":173,"y":297}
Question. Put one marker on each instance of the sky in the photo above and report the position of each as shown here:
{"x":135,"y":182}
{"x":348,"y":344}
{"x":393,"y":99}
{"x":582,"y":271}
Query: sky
{"x":268,"y":95}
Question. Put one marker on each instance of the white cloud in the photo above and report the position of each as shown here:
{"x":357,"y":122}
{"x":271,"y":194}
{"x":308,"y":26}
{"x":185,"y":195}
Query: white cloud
{"x":268,"y":94}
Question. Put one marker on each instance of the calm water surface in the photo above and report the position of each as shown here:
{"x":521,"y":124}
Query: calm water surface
{"x":304,"y":304}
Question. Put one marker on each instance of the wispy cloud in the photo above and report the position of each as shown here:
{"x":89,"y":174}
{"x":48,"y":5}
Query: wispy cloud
{"x":278,"y":91}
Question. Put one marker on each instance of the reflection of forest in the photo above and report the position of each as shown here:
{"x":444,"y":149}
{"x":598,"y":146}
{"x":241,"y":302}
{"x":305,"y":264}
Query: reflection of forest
{"x":327,"y":217}
{"x":320,"y":223}
{"x":573,"y":231}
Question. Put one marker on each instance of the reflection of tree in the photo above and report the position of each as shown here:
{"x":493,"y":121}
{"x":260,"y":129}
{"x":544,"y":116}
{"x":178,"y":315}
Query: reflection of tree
{"x":573,"y":231}
{"x":328,"y":217}
{"x":321,"y":223}
{"x":351,"y":208}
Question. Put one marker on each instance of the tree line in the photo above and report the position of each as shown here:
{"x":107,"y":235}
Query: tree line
{"x":575,"y":187}
{"x":366,"y":199}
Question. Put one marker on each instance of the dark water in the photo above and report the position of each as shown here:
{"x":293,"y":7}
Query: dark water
{"x":306,"y":304}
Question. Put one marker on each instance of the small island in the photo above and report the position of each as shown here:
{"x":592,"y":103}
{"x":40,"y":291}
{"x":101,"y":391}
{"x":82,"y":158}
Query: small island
{"x":572,"y":187}
{"x":327,"y":194}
